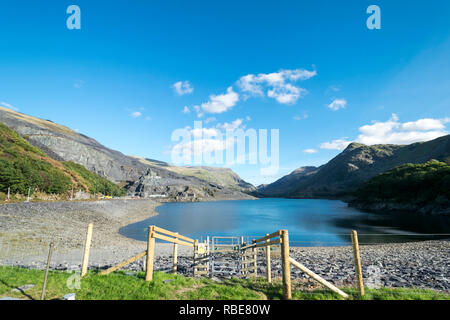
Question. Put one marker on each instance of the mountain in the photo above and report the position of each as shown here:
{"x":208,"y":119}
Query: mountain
{"x":223,"y":177}
{"x":24,"y":168}
{"x":342,"y":175}
{"x":64,"y":144}
{"x":423,"y":188}
{"x":140,"y":176}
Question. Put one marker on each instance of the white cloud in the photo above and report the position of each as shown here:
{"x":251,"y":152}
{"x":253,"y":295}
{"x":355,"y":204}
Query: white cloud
{"x":393,"y":131}
{"x":201,"y":146}
{"x":183,"y":87}
{"x":310,"y":151}
{"x":286,"y":94}
{"x":205,"y":140}
{"x":333,"y":88}
{"x":338,"y":144}
{"x":302,"y":117}
{"x":210,"y":119}
{"x":219,"y":103}
{"x":7,"y":105}
{"x":186,"y":109}
{"x":231,"y":125}
{"x":337,"y":104}
{"x":425,"y":124}
{"x":136,"y":114}
{"x":279,"y":85}
{"x":208,"y":140}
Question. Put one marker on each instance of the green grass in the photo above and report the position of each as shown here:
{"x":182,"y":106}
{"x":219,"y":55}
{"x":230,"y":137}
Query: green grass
{"x":119,"y":286}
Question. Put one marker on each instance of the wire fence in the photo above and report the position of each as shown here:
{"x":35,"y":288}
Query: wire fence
{"x":401,"y":264}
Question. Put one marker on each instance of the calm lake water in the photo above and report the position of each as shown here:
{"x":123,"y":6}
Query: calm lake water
{"x":310,"y":222}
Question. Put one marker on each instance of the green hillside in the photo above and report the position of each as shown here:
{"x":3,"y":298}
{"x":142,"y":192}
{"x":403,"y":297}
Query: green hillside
{"x":24,"y":166}
{"x":419,"y":184}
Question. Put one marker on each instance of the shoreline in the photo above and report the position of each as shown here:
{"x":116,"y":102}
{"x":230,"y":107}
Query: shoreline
{"x":26,"y":229}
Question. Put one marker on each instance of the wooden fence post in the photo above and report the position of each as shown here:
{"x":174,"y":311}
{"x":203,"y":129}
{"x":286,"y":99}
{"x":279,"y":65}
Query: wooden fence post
{"x":175,"y":257}
{"x":286,"y":264}
{"x":268,"y":267}
{"x":87,"y":249}
{"x":44,"y":286}
{"x":150,"y":254}
{"x":255,"y":259}
{"x":195,"y":256}
{"x":357,"y":261}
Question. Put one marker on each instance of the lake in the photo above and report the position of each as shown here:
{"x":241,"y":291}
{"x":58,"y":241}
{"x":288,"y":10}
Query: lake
{"x":310,"y":222}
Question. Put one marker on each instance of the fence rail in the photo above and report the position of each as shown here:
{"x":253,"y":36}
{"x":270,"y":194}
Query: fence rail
{"x":259,"y":256}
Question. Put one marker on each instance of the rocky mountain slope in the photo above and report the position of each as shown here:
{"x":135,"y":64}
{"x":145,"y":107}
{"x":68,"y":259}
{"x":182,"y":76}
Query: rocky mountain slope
{"x":25,"y":168}
{"x":342,"y":175}
{"x":140,"y":177}
{"x":223,"y":177}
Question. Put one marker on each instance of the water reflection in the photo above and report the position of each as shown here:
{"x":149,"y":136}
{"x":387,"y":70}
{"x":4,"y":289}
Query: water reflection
{"x":310,"y":222}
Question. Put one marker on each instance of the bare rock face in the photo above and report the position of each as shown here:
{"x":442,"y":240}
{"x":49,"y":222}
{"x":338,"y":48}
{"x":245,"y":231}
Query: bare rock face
{"x":356,"y":164}
{"x":170,"y":185}
{"x":153,"y":178}
{"x":65,"y":144}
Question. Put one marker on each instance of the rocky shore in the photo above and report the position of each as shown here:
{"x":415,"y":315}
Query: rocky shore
{"x":435,"y":208}
{"x":26,"y":229}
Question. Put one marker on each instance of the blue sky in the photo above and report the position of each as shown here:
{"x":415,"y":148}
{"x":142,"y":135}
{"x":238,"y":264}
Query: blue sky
{"x":114,"y":79}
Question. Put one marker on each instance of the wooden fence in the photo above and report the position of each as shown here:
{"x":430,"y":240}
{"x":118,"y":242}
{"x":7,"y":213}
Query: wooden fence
{"x":154,"y":233}
{"x":281,"y":237}
{"x":249,"y":257}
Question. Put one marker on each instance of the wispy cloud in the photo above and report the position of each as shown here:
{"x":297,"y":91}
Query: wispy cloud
{"x":186,"y":109}
{"x":310,"y":151}
{"x":136,"y":114}
{"x":183,"y":87}
{"x":337,"y":104}
{"x":338,"y":144}
{"x":231,"y":125}
{"x":78,"y":84}
{"x":9,"y":106}
{"x":300,"y":117}
{"x":210,"y":119}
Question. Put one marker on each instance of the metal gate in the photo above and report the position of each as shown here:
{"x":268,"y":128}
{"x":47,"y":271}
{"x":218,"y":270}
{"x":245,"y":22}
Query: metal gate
{"x":225,"y":257}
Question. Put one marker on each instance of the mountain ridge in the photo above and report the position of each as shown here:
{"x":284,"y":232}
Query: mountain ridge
{"x":354,"y":165}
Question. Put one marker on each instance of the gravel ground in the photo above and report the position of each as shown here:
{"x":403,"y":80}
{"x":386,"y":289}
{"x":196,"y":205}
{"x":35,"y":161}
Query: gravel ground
{"x":26,"y":229}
